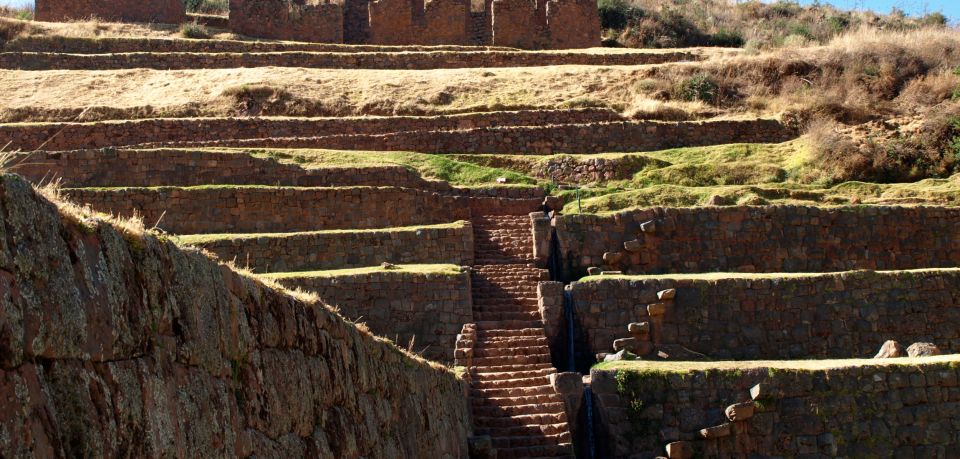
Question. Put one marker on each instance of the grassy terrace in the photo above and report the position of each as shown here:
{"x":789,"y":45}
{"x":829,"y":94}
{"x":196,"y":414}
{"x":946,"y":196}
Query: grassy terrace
{"x":199,"y":239}
{"x":646,"y":366}
{"x":438,"y":270}
{"x":757,"y":276}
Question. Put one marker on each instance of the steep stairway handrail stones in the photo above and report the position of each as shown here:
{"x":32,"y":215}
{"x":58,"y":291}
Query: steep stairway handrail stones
{"x":505,"y":349}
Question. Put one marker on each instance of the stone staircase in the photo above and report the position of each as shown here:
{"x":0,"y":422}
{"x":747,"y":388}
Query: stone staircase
{"x":510,"y":392}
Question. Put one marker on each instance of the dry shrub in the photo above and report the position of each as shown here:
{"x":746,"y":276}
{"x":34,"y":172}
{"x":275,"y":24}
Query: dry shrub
{"x":889,"y":153}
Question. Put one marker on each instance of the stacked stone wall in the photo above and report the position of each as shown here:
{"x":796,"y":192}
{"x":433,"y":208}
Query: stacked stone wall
{"x":409,"y":60}
{"x":543,"y":140}
{"x":422,"y":311}
{"x":165,"y":11}
{"x":316,"y":21}
{"x":119,"y":344}
{"x":273,"y":209}
{"x":163,"y":167}
{"x":112,"y":45}
{"x":515,"y":24}
{"x":846,"y":409}
{"x":75,"y":136}
{"x":451,"y":244}
{"x":572,"y":24}
{"x":762,"y":239}
{"x":809,"y":316}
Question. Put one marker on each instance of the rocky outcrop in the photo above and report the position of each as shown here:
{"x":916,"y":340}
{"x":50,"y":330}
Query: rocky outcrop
{"x":116,"y":343}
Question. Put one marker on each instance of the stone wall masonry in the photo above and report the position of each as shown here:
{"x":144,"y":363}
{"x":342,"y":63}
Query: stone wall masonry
{"x":231,"y":209}
{"x":425,"y":309}
{"x":166,"y":167}
{"x":572,"y":24}
{"x":515,"y":24}
{"x":744,"y":317}
{"x":763,"y":239}
{"x":119,"y":344}
{"x":113,"y":45}
{"x":409,"y":60}
{"x":76,"y":136}
{"x":538,"y":140}
{"x":316,"y":21}
{"x":838,"y":409}
{"x":451,"y":244}
{"x":166,"y":11}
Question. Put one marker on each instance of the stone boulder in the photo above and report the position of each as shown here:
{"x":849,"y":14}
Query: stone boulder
{"x":923,"y":350}
{"x":890,"y":349}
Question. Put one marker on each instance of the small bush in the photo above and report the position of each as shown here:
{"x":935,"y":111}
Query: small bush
{"x":727,"y":38}
{"x":207,"y":6}
{"x":194,"y":30}
{"x":616,"y":14}
{"x":936,"y":19}
{"x":22,"y":13}
{"x":698,"y":87}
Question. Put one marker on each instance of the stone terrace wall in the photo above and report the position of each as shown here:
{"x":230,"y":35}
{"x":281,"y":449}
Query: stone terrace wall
{"x":117,"y":345}
{"x":428,"y":308}
{"x":764,"y":239}
{"x":75,"y":136}
{"x":166,"y":11}
{"x":864,"y":410}
{"x":273,"y":209}
{"x":452,"y":244}
{"x":412,"y":60}
{"x":540,"y":140}
{"x":313,"y":20}
{"x":164,"y":167}
{"x":836,"y":315}
{"x":110,"y":45}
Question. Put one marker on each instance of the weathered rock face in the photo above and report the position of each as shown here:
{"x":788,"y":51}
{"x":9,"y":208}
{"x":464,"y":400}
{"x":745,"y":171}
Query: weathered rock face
{"x":116,"y":344}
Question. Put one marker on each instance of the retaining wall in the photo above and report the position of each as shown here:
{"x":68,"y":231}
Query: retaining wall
{"x":273,"y":209}
{"x":537,"y":140}
{"x":75,"y":136}
{"x":113,"y":45}
{"x":166,"y":11}
{"x":320,"y":22}
{"x":450,"y":244}
{"x":838,"y":409}
{"x":119,"y":344}
{"x":413,"y":60}
{"x":744,"y":317}
{"x":763,"y":239}
{"x":422,"y":311}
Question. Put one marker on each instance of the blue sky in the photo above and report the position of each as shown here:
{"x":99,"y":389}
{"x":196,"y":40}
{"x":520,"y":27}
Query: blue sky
{"x":951,"y":8}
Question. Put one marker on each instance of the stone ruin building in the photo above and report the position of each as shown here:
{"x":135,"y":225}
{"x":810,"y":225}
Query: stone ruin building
{"x":527,"y":24}
{"x":553,"y":24}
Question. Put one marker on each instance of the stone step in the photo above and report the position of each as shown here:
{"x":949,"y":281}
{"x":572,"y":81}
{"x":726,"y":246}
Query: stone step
{"x":540,"y":399}
{"x":502,"y":315}
{"x":493,"y":333}
{"x":546,"y":451}
{"x":509,"y":324}
{"x":515,"y":410}
{"x":521,"y":391}
{"x":524,"y":430}
{"x":512,"y":371}
{"x":514,"y":380}
{"x":531,"y":440}
{"x":499,"y":422}
{"x":511,"y":341}
{"x":500,"y":360}
{"x":483,"y":351}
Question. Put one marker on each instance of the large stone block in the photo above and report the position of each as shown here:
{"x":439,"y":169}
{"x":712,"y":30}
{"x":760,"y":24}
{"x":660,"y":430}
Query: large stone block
{"x":164,"y":11}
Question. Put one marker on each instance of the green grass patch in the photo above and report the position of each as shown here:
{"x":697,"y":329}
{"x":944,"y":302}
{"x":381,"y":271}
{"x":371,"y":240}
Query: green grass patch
{"x":758,"y":276}
{"x":439,"y":269}
{"x":200,"y":239}
{"x":650,"y":366}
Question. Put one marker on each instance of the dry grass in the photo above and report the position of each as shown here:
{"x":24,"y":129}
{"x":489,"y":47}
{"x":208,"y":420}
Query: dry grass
{"x":804,"y":365}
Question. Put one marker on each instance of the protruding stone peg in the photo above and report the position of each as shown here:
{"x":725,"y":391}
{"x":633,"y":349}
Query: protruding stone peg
{"x":667,"y":295}
{"x":633,"y":246}
{"x":649,"y":227}
{"x":680,"y":450}
{"x":740,"y":411}
{"x":656,"y":309}
{"x":722,"y":430}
